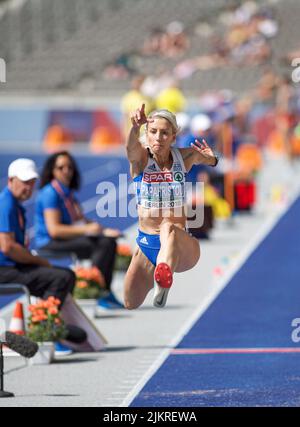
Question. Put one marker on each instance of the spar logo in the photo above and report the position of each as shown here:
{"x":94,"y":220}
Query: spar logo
{"x":178,"y":176}
{"x":158,"y":177}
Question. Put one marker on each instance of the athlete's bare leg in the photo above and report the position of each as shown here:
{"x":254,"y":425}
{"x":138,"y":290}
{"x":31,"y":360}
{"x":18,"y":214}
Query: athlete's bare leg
{"x":178,"y":249}
{"x":179,"y":252}
{"x":138,"y":280}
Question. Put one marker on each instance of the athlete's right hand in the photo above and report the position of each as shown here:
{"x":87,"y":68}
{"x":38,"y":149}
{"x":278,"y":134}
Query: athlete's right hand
{"x":138,"y":117}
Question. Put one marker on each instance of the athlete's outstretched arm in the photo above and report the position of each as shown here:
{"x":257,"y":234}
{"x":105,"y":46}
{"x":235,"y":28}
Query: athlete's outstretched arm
{"x":200,"y":153}
{"x":136,"y":153}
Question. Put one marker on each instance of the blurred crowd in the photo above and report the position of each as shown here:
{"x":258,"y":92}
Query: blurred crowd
{"x":235,"y":35}
{"x":267,"y":115}
{"x":244,"y":39}
{"x":240,"y":128}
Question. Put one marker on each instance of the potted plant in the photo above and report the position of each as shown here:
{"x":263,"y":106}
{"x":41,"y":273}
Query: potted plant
{"x":90,"y":283}
{"x":45,"y":326}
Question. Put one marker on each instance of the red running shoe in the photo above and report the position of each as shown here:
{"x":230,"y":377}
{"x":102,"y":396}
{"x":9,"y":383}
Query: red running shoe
{"x":163,"y":277}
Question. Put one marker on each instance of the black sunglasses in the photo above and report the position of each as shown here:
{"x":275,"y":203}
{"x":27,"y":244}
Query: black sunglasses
{"x":70,"y":167}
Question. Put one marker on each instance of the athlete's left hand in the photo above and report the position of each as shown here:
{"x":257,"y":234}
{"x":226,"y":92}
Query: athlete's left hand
{"x":205,"y":153}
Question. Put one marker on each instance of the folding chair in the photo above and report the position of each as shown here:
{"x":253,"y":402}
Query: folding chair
{"x":59,"y":258}
{"x":14,"y":288}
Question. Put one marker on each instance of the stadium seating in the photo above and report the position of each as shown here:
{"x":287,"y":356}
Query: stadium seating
{"x":59,"y":44}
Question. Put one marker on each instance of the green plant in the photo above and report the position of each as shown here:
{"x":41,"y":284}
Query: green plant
{"x":45,"y":323}
{"x":123,"y":257}
{"x":90,"y":283}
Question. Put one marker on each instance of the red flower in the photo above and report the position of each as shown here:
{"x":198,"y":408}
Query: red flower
{"x":52,"y":310}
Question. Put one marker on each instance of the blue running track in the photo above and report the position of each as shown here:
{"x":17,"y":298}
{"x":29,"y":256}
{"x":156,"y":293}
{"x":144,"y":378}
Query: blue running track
{"x":240,"y":352}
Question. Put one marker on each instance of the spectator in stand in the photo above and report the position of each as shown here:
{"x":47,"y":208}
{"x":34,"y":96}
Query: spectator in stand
{"x":201,"y":128}
{"x":284,"y":95}
{"x":152,"y":43}
{"x":171,"y":98}
{"x":215,"y":207}
{"x":184,"y":137}
{"x":60,"y":224}
{"x":174,"y":42}
{"x":170,"y":43}
{"x":278,"y":140}
{"x":132,"y":100}
{"x":294,"y":143}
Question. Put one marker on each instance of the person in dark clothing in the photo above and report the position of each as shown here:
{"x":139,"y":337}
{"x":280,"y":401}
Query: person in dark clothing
{"x":60,"y":224}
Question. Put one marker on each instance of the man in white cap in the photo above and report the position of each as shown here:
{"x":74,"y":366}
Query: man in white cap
{"x":17,"y":264}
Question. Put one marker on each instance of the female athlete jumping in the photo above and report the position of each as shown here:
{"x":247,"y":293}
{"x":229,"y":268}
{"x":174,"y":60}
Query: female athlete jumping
{"x":159,"y":170}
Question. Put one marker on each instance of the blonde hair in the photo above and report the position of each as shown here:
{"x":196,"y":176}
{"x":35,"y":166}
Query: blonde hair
{"x":168,"y":115}
{"x":164,"y":114}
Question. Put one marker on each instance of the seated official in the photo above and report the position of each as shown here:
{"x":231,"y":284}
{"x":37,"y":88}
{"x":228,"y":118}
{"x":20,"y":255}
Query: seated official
{"x":60,"y":224}
{"x":17,"y":264}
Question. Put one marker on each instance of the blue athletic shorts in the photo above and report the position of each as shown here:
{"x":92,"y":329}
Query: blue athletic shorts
{"x":149,"y":244}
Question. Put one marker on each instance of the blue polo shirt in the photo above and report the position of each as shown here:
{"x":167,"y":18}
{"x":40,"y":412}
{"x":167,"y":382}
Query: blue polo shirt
{"x":48,"y":198}
{"x":10,"y":213}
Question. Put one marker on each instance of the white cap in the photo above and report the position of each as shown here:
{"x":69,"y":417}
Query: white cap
{"x":175,"y":27}
{"x":183,"y":120}
{"x":200,"y":122}
{"x":24,"y":169}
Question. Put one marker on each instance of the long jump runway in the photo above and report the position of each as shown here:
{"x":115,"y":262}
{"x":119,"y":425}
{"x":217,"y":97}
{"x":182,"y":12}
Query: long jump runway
{"x":241,"y":352}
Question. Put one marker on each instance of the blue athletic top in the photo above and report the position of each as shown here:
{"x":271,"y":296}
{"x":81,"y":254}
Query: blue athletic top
{"x":49,"y":198}
{"x":162,"y":189}
{"x":12,"y":220}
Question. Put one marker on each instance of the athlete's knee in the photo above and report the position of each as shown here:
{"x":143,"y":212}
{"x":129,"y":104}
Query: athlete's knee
{"x":196,"y":253}
{"x":172,"y":235}
{"x":167,"y":228}
{"x":130,"y":304}
{"x":131,"y":300}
